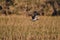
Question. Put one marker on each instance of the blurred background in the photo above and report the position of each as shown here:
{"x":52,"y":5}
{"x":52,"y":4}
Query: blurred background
{"x":43,"y":7}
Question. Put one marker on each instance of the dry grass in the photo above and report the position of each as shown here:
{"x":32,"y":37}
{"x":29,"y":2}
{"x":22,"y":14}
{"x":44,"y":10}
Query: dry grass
{"x":15,"y":27}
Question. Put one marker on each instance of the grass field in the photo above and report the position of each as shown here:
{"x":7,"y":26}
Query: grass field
{"x":21,"y":27}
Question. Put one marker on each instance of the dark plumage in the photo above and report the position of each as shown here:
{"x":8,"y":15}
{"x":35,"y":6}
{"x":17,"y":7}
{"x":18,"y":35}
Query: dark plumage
{"x":0,"y":7}
{"x":34,"y":17}
{"x":54,"y":13}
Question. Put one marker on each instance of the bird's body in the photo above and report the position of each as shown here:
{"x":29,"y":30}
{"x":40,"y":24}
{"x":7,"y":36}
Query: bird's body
{"x":34,"y":17}
{"x":0,"y":7}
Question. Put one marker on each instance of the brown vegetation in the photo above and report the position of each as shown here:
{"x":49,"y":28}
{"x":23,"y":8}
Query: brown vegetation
{"x":20,"y":26}
{"x":28,"y":6}
{"x":16,"y":27}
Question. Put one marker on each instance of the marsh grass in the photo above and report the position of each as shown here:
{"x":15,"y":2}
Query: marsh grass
{"x":15,"y":27}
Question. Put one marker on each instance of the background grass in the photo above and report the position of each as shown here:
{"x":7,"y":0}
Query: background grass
{"x":13,"y":27}
{"x":21,"y":27}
